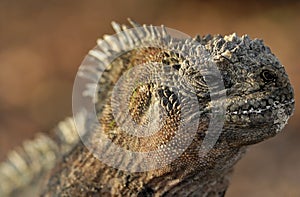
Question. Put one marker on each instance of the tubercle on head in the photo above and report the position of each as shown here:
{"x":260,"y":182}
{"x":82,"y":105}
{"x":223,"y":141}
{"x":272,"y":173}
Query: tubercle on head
{"x":254,"y":79}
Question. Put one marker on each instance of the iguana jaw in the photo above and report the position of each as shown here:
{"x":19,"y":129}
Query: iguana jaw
{"x":245,"y":127}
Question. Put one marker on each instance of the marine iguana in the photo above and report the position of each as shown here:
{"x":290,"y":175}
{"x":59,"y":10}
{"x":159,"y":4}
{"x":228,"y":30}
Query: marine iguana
{"x":255,"y":93}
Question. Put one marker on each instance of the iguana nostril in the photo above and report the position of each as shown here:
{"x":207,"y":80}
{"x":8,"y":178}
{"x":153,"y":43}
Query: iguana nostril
{"x":268,"y":76}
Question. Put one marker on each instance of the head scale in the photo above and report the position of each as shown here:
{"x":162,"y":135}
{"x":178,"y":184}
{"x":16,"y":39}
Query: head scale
{"x":260,"y":97}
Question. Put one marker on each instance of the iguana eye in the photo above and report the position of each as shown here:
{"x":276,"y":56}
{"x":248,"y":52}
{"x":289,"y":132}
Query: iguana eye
{"x":268,"y":75}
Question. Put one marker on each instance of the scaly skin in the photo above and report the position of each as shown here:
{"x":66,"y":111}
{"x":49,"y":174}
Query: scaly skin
{"x":259,"y":100}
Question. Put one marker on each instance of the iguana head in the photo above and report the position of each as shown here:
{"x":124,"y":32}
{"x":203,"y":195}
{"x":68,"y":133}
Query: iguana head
{"x":260,"y":98}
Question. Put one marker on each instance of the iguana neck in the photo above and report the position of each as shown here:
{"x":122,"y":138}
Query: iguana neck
{"x":82,"y":174}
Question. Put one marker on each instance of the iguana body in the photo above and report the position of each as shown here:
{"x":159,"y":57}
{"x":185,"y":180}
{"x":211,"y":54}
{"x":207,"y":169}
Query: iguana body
{"x":259,"y":101}
{"x":24,"y":171}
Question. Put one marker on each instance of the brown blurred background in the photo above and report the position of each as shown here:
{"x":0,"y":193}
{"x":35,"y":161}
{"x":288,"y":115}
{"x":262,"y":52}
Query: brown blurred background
{"x":42,"y":43}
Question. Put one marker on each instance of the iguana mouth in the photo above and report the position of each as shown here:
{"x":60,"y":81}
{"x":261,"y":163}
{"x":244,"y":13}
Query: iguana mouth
{"x":272,"y":105}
